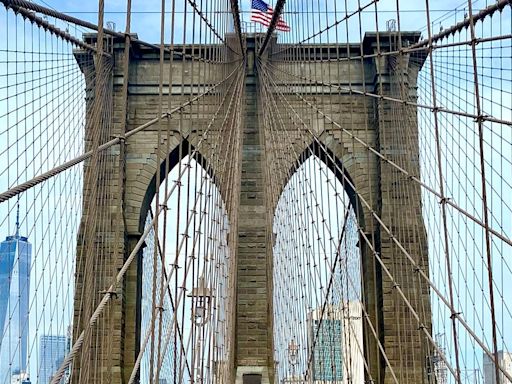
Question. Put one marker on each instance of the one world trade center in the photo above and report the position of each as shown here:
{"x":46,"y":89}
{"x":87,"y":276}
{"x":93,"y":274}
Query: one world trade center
{"x":15,"y":259}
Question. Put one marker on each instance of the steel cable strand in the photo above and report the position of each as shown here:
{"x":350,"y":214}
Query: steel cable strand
{"x":168,"y":291}
{"x":443,"y":201}
{"x":50,"y":27}
{"x":393,"y":99}
{"x":396,"y":286}
{"x":73,"y":20}
{"x":413,"y":264}
{"x":381,"y":348}
{"x":327,"y":28}
{"x":139,"y":358}
{"x":168,"y":280}
{"x":331,"y":268}
{"x":483,"y":179}
{"x":111,"y":290}
{"x":162,"y":251}
{"x":421,"y":45}
{"x":12,"y":192}
{"x":166,"y":343}
{"x":404,"y":171}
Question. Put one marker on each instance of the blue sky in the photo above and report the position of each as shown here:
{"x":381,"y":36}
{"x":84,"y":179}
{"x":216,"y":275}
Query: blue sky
{"x":461,"y":176}
{"x":146,"y":19}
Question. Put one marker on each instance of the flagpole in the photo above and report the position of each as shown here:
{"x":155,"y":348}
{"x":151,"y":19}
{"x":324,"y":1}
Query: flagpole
{"x":275,"y":17}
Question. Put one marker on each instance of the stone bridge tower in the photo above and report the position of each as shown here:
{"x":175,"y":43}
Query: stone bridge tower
{"x":373,"y":183}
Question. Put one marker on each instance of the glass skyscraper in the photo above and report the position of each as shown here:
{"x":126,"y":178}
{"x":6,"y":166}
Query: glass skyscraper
{"x":52,"y":350}
{"x":335,"y":338}
{"x":15,"y":259}
{"x":327,"y":352}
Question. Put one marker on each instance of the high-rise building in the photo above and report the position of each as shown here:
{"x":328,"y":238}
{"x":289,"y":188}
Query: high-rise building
{"x":52,"y":351}
{"x":335,"y":338}
{"x":438,"y":370}
{"x":15,"y":259}
{"x":505,"y":361}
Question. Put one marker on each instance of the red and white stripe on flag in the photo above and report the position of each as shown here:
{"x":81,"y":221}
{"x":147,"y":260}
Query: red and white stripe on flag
{"x":262,"y":13}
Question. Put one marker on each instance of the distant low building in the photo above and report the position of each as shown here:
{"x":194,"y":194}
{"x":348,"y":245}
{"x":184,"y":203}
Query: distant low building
{"x":505,"y":361}
{"x":20,"y":378}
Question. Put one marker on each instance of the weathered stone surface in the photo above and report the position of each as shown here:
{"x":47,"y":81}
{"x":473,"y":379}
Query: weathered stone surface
{"x":390,"y":195}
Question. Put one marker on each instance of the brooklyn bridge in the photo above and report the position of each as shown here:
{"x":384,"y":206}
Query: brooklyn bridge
{"x":198,"y":191}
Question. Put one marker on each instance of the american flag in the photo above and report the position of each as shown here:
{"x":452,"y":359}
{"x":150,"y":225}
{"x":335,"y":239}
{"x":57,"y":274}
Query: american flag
{"x":262,"y":13}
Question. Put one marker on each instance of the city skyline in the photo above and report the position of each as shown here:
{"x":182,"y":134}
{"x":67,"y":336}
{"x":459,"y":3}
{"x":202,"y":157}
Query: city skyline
{"x":15,"y":276}
{"x":349,"y":174}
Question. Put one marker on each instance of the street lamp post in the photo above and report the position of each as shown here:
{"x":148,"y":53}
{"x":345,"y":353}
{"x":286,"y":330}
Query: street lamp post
{"x":293,"y":351}
{"x":202,"y":298}
{"x":201,"y":308}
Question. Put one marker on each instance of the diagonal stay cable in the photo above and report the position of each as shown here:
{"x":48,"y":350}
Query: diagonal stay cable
{"x":111,"y":291}
{"x":235,"y":10}
{"x":396,"y":286}
{"x":55,"y":171}
{"x":168,"y":292}
{"x":399,"y":168}
{"x":414,"y":264}
{"x":488,"y":11}
{"x":168,"y":335}
{"x":330,"y":26}
{"x":275,"y":18}
{"x":366,"y":315}
{"x":70,"y":19}
{"x":394,"y":99}
{"x":50,"y":27}
{"x":168,"y":278}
